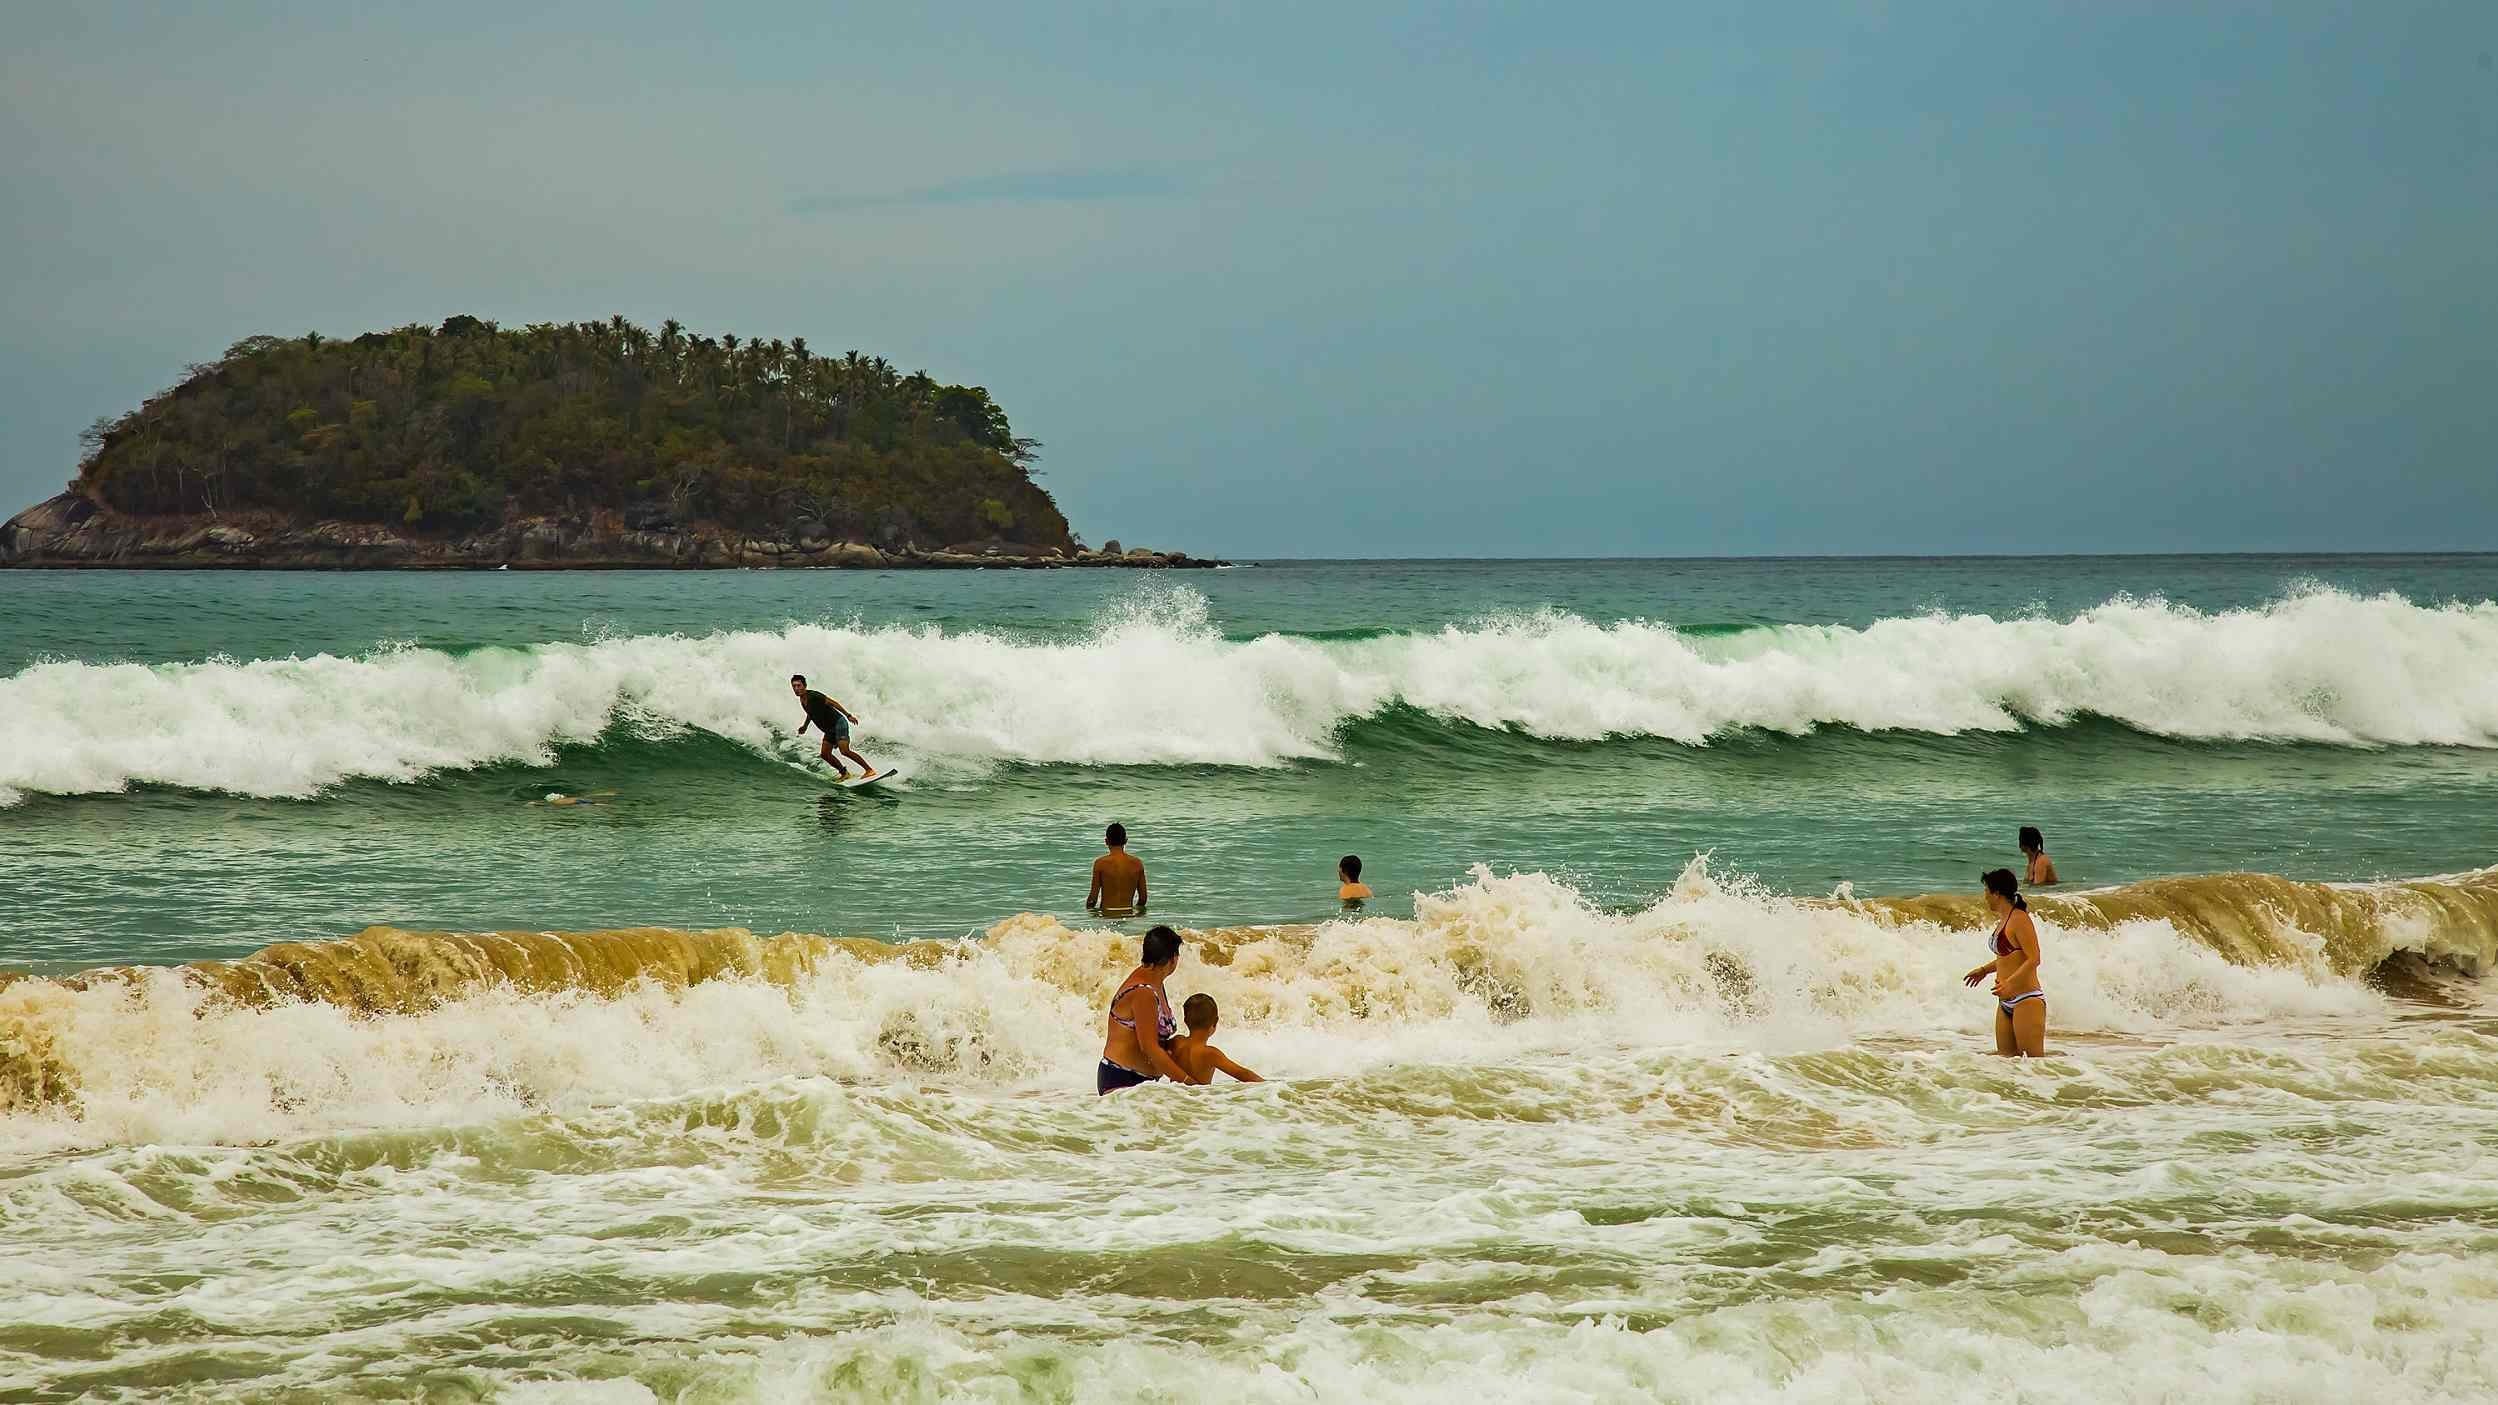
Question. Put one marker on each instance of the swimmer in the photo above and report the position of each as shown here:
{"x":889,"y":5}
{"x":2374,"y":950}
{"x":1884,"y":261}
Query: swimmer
{"x":835,"y":721}
{"x":1118,"y":878}
{"x":1134,"y":1046}
{"x":1192,"y":1052}
{"x":2020,"y":1005}
{"x":2041,"y":872}
{"x":561,"y":801}
{"x":1350,"y":889}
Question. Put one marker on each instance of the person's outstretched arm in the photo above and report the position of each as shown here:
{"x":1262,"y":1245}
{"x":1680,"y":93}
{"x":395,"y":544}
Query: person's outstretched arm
{"x":1140,"y":887}
{"x":1235,"y":1070}
{"x":1093,"y":895}
{"x":805,"y":722}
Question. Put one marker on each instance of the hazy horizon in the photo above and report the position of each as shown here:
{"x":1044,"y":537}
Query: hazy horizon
{"x":1378,"y":282}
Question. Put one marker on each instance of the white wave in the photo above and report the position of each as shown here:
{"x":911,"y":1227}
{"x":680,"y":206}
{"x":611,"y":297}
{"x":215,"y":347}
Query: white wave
{"x":1154,"y":683}
{"x":2330,"y":1334}
{"x":1500,"y":968}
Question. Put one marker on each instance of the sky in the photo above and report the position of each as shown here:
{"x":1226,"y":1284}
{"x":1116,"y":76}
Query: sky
{"x":1284,"y":279}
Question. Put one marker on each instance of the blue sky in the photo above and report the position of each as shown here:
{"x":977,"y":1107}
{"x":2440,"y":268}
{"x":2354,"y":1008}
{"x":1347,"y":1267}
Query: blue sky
{"x":1283,"y":279}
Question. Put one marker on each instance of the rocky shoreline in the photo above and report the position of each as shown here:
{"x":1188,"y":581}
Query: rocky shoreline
{"x":73,"y":531}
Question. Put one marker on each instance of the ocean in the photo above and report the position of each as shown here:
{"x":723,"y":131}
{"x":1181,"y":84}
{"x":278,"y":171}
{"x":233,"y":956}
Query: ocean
{"x":335,"y":1063}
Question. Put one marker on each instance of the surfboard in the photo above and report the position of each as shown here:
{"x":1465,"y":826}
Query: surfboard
{"x":815,"y":771}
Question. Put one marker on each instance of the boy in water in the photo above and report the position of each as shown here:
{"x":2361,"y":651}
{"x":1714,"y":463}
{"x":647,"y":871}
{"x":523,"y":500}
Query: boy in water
{"x":834,"y":720}
{"x":1350,"y":889}
{"x":1118,"y":878}
{"x":1199,"y":1058}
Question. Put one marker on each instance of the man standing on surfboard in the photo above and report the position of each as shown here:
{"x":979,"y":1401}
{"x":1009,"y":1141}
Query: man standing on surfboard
{"x":834,"y":720}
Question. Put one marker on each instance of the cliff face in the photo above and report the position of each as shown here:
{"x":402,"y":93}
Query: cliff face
{"x":74,"y":530}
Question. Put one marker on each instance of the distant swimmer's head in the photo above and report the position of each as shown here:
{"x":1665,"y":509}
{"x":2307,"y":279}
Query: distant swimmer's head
{"x":798,"y":684}
{"x":1200,"y":1013}
{"x":1349,"y":868}
{"x":2031,"y":840}
{"x":1162,"y":948}
{"x":2003,"y":891}
{"x":1116,"y":836}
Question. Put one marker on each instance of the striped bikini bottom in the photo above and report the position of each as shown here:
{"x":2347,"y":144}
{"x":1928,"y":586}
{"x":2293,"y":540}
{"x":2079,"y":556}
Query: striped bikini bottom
{"x":2006,"y":1005}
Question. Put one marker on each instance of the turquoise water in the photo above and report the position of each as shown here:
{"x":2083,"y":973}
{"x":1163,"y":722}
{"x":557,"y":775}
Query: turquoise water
{"x":1604,"y":1098}
{"x":308,"y":773}
{"x":199,"y":764}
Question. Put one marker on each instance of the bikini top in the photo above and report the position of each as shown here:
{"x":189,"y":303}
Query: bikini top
{"x":1164,"y":1025}
{"x":2004,"y":946}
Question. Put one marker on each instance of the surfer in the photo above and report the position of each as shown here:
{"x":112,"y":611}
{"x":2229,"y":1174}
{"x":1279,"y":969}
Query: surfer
{"x":1118,"y":878}
{"x":834,"y":720}
{"x":1350,"y":889}
{"x":1133,"y":1049}
{"x":2020,"y":1005}
{"x":2041,"y":871}
{"x":1193,"y":1052}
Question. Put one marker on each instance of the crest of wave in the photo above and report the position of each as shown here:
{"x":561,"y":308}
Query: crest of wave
{"x":1153,"y":682}
{"x":1501,"y":967}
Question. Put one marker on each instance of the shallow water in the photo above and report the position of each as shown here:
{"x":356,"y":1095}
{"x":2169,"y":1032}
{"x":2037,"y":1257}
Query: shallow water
{"x":1565,"y":1115}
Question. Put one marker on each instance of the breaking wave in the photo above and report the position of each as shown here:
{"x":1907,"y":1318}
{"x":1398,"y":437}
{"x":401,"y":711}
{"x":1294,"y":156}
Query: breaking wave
{"x":406,"y":1028}
{"x":1154,"y":683}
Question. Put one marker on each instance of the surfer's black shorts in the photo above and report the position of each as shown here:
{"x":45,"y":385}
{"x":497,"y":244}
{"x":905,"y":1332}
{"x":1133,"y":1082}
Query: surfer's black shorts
{"x":1110,"y":1078}
{"x":840,"y":727}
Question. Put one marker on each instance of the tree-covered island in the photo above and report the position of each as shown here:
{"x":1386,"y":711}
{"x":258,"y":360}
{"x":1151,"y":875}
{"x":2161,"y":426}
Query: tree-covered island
{"x":592,"y":443}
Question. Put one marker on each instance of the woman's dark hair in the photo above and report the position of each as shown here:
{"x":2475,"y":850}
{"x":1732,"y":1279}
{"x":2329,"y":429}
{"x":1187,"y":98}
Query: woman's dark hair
{"x":2031,"y":840}
{"x":1116,"y":836}
{"x":1161,"y":945}
{"x":2002,"y":884}
{"x":1351,"y":867}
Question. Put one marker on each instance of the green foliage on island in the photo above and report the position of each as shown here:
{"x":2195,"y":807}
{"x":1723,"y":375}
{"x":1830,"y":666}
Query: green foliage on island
{"x":449,"y":429}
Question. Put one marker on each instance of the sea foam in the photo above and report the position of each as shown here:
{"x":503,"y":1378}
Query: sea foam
{"x":400,"y":1029}
{"x":1154,"y":683}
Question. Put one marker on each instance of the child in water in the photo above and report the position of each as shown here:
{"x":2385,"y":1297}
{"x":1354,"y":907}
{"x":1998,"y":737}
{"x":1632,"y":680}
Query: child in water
{"x":1350,"y":889}
{"x":1193,"y":1053}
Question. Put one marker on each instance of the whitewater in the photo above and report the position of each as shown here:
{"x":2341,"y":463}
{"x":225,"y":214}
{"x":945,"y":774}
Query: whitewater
{"x":335,"y":1065}
{"x":1156,"y":683}
{"x":1733,"y":1145}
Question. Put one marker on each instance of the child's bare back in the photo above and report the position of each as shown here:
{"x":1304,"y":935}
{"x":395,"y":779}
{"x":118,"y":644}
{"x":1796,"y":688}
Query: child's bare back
{"x":1194,"y":1051}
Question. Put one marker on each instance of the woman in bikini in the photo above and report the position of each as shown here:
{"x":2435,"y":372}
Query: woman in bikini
{"x":2042,"y":869}
{"x":1141,"y":1028}
{"x":2020,"y":1005}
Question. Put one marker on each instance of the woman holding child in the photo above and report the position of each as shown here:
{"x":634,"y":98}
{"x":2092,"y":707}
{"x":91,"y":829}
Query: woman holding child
{"x":1140,"y":1044}
{"x":1136,"y":1048}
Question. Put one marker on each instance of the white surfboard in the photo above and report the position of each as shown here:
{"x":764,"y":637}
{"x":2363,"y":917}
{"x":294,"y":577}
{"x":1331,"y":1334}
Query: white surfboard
{"x":815,"y":770}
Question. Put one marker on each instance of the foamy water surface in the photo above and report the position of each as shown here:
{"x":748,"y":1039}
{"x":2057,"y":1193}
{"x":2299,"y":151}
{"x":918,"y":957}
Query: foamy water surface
{"x":333,"y":1068}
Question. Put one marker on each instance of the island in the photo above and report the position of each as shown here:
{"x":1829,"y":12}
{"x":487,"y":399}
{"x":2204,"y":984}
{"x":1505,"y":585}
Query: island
{"x":584,"y":445}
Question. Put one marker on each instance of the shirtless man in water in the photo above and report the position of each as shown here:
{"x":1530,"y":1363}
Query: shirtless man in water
{"x":1118,"y":878}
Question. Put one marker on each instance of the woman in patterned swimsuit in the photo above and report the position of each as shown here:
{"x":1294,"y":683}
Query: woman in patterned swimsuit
{"x":1135,"y":1047}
